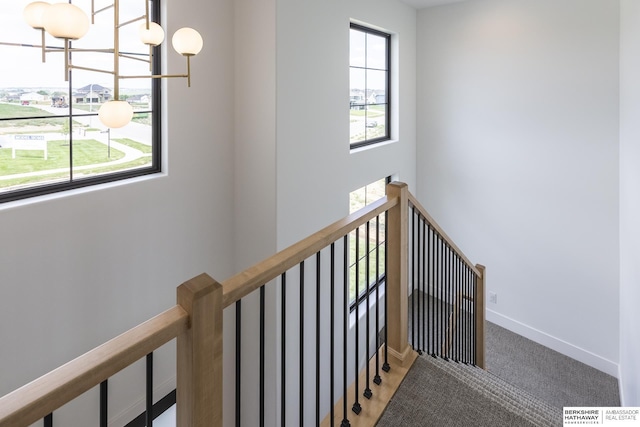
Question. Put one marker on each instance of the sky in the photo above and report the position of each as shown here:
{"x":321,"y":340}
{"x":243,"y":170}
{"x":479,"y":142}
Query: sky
{"x":23,"y":67}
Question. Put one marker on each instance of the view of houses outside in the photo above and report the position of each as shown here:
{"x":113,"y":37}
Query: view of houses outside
{"x":49,"y":128}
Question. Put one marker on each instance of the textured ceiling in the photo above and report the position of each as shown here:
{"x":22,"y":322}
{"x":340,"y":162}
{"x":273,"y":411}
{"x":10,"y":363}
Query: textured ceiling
{"x":419,"y":4}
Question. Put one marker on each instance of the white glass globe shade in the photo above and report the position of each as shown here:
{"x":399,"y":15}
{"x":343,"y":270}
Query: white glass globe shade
{"x":152,"y":36}
{"x":187,"y":41}
{"x":34,"y":12}
{"x":66,"y":21}
{"x":115,"y":114}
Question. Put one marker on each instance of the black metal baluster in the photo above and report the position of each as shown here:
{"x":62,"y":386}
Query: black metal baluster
{"x":417,"y":275}
{"x":331,"y":336}
{"x":262,"y":353}
{"x":437,"y":296}
{"x":442,"y":298}
{"x":473,"y":317}
{"x":463,"y":331}
{"x":448,"y":296}
{"x":283,"y":350}
{"x":48,"y":420}
{"x":345,"y":312}
{"x":377,"y":379}
{"x":149,"y":390}
{"x":423,"y":296}
{"x":356,"y":405}
{"x":460,"y":310}
{"x":301,"y":381}
{"x":454,"y":299}
{"x":469,"y":325}
{"x":238,"y":361}
{"x":445,"y":313}
{"x":432,"y":296}
{"x":318,"y":340}
{"x":460,"y":302}
{"x":104,"y":403}
{"x":367,"y":391}
{"x":385,"y":366}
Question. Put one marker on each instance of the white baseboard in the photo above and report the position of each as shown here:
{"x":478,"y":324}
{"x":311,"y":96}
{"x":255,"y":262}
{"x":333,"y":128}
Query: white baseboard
{"x":138,"y":407}
{"x":561,"y":346}
{"x":620,"y":387}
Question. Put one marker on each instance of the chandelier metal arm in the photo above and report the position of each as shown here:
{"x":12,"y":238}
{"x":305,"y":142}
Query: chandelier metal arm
{"x":155,"y":76}
{"x":97,"y":70}
{"x":133,"y":21}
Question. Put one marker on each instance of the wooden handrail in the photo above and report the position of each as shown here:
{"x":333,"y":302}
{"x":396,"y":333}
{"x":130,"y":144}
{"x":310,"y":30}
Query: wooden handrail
{"x":242,"y":284}
{"x":197,"y":322}
{"x":444,"y":235}
{"x":42,"y":396}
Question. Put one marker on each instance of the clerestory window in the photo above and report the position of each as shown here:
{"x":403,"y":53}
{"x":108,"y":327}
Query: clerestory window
{"x":369,"y":59}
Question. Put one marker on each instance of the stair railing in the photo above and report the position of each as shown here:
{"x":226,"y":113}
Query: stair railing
{"x":293,"y":309}
{"x":196,"y":322}
{"x":447,"y":308}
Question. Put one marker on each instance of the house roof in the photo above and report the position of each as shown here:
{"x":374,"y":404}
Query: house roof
{"x":92,"y":87}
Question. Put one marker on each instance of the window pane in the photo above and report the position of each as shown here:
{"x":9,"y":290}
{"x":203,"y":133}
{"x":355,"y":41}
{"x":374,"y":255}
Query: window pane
{"x":376,"y":121}
{"x":376,"y":52}
{"x":357,"y":104}
{"x":376,"y":86}
{"x":357,"y":48}
{"x":357,"y":126}
{"x":33,"y":152}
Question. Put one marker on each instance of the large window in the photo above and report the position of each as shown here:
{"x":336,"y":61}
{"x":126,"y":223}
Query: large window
{"x":358,"y":243}
{"x":369,"y":86}
{"x":50,"y":136}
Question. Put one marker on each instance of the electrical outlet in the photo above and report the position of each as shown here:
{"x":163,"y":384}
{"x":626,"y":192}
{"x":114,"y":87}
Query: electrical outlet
{"x":493,"y":297}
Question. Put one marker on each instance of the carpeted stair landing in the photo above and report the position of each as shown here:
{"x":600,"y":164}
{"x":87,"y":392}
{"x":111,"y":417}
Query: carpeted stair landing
{"x":440,"y":393}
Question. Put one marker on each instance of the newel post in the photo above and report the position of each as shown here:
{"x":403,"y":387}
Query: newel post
{"x":480,"y":316}
{"x":396,"y":286}
{"x":199,"y":358}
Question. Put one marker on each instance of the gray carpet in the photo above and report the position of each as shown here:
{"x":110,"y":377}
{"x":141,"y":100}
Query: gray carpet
{"x":525,"y":384}
{"x":446,"y":394}
{"x":545,"y":373}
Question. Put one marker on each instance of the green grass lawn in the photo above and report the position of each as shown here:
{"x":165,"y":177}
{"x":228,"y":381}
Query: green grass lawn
{"x":85,"y":152}
{"x":18,"y":111}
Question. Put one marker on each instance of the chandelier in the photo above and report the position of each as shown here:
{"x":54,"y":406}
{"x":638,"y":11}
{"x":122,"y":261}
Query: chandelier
{"x":67,"y":22}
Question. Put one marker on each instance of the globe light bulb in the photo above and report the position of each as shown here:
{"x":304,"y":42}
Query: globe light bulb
{"x":187,"y":41}
{"x":152,"y":36}
{"x":65,"y":21}
{"x":115,"y":114}
{"x":33,"y":14}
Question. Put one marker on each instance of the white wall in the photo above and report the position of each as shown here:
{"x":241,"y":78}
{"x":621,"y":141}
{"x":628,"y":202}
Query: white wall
{"x":80,"y":267}
{"x":315,"y":168}
{"x":629,"y":202}
{"x":518,"y":160}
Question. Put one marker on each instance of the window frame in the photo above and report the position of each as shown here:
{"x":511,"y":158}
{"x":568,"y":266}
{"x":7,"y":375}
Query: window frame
{"x":45,"y":188}
{"x":387,"y":37}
